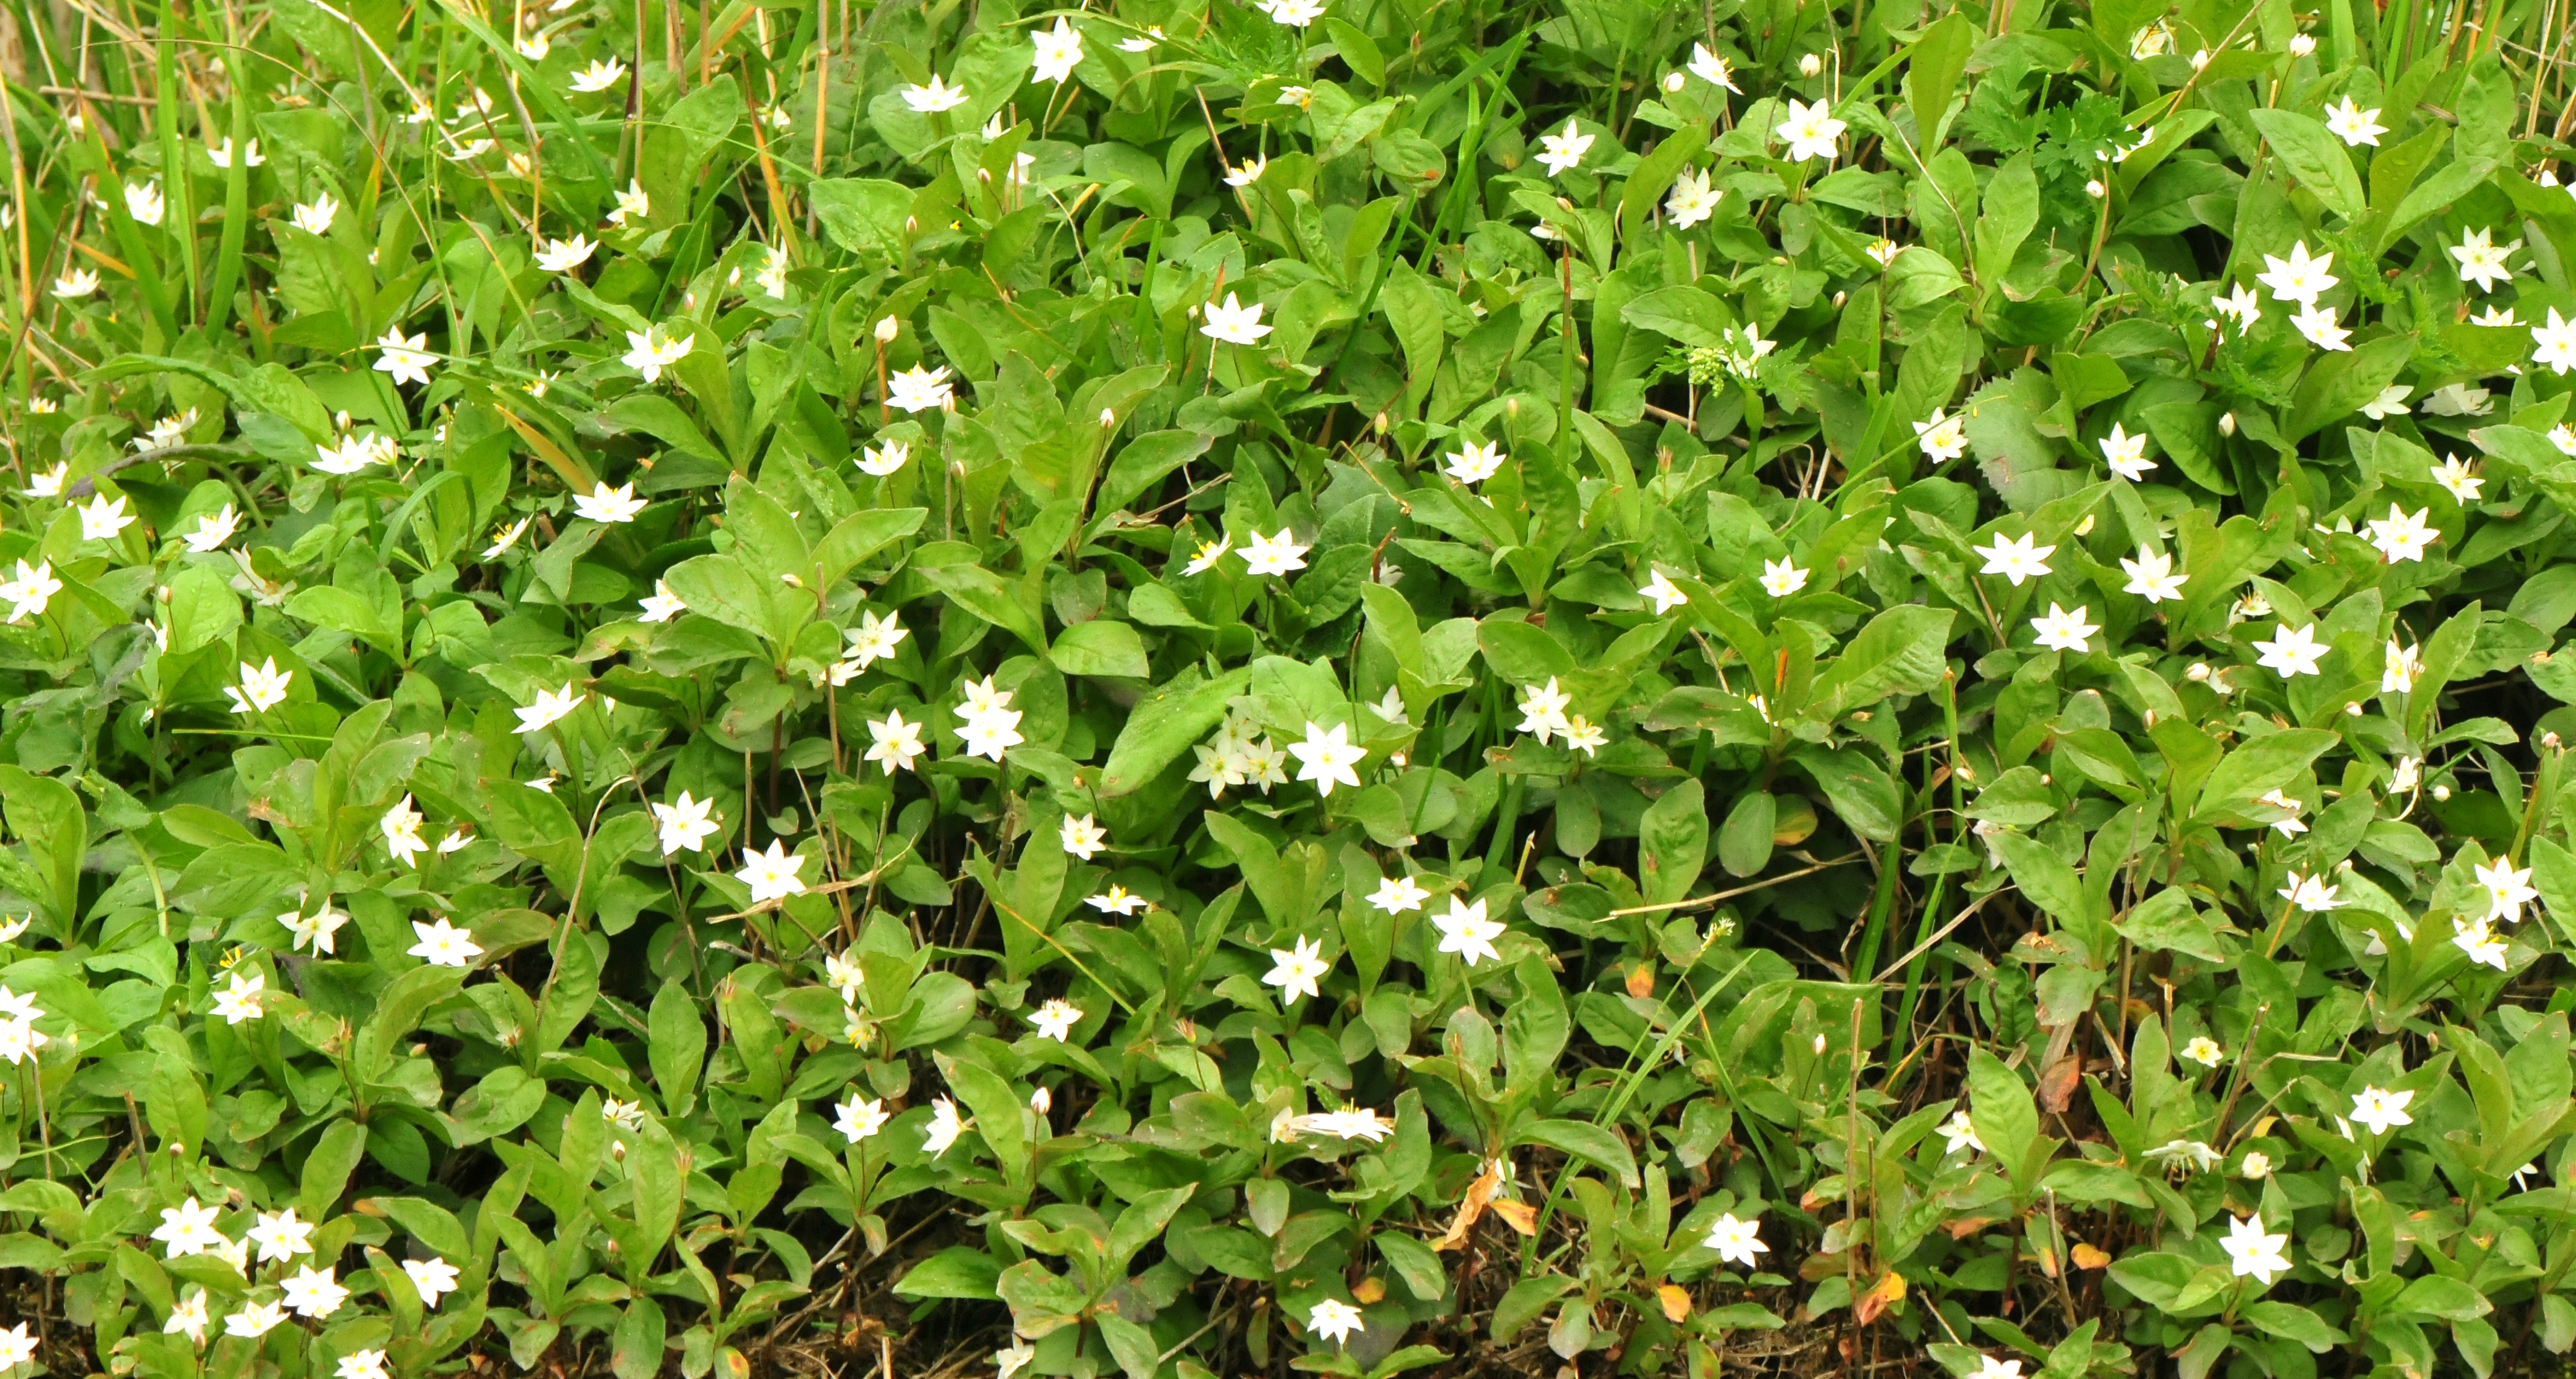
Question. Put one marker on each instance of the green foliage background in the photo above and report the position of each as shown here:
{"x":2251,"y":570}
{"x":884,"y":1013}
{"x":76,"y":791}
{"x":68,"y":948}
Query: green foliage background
{"x":1834,"y":702}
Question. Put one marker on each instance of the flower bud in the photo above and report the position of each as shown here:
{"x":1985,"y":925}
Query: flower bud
{"x":886,"y":330}
{"x":1811,"y":65}
{"x":2302,"y":45}
{"x":1673,"y":82}
{"x":2227,"y":423}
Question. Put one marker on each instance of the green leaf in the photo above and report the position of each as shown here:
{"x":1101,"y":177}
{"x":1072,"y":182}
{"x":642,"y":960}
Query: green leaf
{"x":1673,"y":843}
{"x":1744,"y":841}
{"x":2002,"y":1110}
{"x":679,"y":1046}
{"x":955,"y":1272}
{"x":1899,"y":652}
{"x":1101,"y":647}
{"x":1585,"y":1140}
{"x":2312,"y":155}
{"x":1164,"y":725}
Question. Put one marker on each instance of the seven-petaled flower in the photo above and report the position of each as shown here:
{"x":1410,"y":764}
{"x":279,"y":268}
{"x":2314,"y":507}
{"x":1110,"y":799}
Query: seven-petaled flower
{"x":2292,"y":652}
{"x":1811,"y":131}
{"x":1234,"y":323}
{"x":1737,"y":1241}
{"x":2354,"y":125}
{"x":1563,"y":151}
{"x":771,"y":875}
{"x":1465,"y":931}
{"x":2252,"y":1253}
{"x":2060,"y":630}
{"x":2016,"y":558}
{"x":1296,"y":969}
{"x":2152,"y":577}
{"x":2380,"y":1110}
{"x":443,"y":944}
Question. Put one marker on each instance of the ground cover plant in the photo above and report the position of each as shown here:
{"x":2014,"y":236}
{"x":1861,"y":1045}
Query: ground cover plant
{"x":1187,"y":689}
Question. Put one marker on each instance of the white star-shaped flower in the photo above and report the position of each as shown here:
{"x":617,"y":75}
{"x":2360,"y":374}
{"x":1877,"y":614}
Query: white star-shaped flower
{"x":1083,"y":836}
{"x":601,"y":74}
{"x":860,"y":1119}
{"x":1711,"y":68}
{"x":1737,"y":1242}
{"x":2298,"y":278}
{"x":1274,"y":555}
{"x":2251,"y":1253}
{"x":550,"y":708}
{"x":920,"y":390}
{"x":2482,"y":260}
{"x":1694,"y":199}
{"x":2354,"y":125}
{"x":1333,"y":1320}
{"x":1543,"y":710}
{"x":1057,"y":52}
{"x":2402,"y":537}
{"x":2508,"y":890}
{"x":2151,"y":576}
{"x":565,"y":255}
{"x":2554,"y":343}
{"x":316,"y":218}
{"x":103,"y":520}
{"x":661,"y":605}
{"x":944,"y":1127}
{"x":1810,"y":130}
{"x":263,"y":687}
{"x":189,"y":1229}
{"x":2293,"y":651}
{"x":239,"y":1001}
{"x":2390,"y":402}
{"x":684,"y":823}
{"x":2061,"y":630}
{"x":1234,"y":323}
{"x":443,"y":944}
{"x":401,"y":827}
{"x":1563,"y":151}
{"x":2380,"y":1110}
{"x":934,"y":98}
{"x":1465,"y":931}
{"x":772,"y":874}
{"x":402,"y":356}
{"x":255,"y":1320}
{"x":609,"y":506}
{"x":893,"y":743}
{"x":883,"y":460}
{"x":2126,"y":454}
{"x":1118,"y":900}
{"x":312,"y":1292}
{"x":1666,"y":595}
{"x":1296,"y":969}
{"x":1056,"y":1019}
{"x":213,"y":530}
{"x":2016,"y":558}
{"x":651,"y":350}
{"x":2317,"y":323}
{"x":1960,"y":1132}
{"x":1781,"y":578}
{"x":280,"y":1236}
{"x":507,"y":537}
{"x":1396,"y":894}
{"x":632,"y":204}
{"x":1474,"y":464}
{"x":1327,"y":758}
{"x":432,"y":1278}
{"x":2204,"y":1051}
